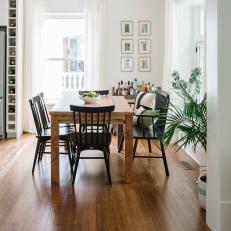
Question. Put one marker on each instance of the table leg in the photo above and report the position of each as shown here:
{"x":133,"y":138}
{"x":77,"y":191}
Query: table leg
{"x":128,"y":148}
{"x":120,"y":130}
{"x":54,"y":149}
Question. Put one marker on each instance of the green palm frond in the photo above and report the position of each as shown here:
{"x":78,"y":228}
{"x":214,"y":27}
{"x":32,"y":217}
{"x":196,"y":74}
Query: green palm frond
{"x":190,"y":118}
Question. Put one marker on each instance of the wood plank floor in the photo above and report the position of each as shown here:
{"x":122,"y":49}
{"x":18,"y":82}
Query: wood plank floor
{"x":151,"y":202}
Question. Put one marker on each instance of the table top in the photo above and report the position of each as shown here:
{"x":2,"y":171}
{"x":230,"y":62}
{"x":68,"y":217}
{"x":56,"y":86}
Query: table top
{"x":121,"y":105}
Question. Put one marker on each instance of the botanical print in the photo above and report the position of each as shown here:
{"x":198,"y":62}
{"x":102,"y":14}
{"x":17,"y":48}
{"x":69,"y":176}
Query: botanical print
{"x":126,"y":64}
{"x":144,"y":46}
{"x":144,"y":64}
{"x":145,"y":28}
{"x":126,"y":46}
{"x":126,"y":28}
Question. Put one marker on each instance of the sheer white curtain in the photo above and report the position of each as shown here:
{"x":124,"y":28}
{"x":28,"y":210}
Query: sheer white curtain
{"x":33,"y":57}
{"x":95,"y":18}
{"x":169,"y":50}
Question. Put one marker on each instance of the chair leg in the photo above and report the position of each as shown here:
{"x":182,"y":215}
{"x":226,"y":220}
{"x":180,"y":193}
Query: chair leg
{"x":134,"y":148}
{"x":108,"y":150}
{"x":164,"y":158}
{"x":107,"y":163}
{"x":41,"y":151}
{"x":72,"y":149}
{"x":69,"y":156}
{"x":36,"y":155}
{"x":121,"y":144}
{"x":149,"y":146}
{"x":76,"y":166}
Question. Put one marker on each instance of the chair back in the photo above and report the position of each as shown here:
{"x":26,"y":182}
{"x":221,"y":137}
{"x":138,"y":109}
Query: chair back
{"x":100,"y":92}
{"x":34,"y":104}
{"x":162,"y":103}
{"x":92,"y":126}
{"x":43,"y":111}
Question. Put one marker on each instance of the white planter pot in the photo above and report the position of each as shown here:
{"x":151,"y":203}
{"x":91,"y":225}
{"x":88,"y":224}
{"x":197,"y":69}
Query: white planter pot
{"x":202,"y":191}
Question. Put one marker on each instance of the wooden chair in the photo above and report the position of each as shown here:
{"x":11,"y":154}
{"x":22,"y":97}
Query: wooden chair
{"x":44,"y":132}
{"x":100,"y":92}
{"x":92,"y":132}
{"x":155,"y":131}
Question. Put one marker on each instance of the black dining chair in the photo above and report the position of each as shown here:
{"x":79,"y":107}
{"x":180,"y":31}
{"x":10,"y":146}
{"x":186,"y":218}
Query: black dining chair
{"x":43,"y":111}
{"x":44,"y":133}
{"x":100,"y":92}
{"x":155,"y":130}
{"x":92,"y":132}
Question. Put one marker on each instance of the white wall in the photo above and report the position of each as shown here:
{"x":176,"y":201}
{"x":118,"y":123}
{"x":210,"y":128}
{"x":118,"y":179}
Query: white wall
{"x":218,"y":88}
{"x":65,"y":6}
{"x":184,"y":41}
{"x":117,"y":10}
{"x":3,"y":12}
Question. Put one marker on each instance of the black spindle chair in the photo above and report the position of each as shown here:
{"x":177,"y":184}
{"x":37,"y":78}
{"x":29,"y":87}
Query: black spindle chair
{"x":44,"y":132}
{"x":92,"y":132}
{"x":100,"y":92}
{"x":43,"y":111}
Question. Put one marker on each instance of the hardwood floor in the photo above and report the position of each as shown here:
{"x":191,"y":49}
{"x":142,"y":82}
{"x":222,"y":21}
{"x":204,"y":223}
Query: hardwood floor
{"x":151,"y":202}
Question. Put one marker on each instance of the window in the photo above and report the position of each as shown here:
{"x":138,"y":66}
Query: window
{"x":200,"y":48}
{"x":63,"y":54}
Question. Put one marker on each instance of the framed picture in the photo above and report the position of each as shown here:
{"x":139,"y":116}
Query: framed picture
{"x":126,"y":64}
{"x":126,"y":46}
{"x":144,"y":64}
{"x":144,"y":46}
{"x":126,"y":28}
{"x":145,"y":28}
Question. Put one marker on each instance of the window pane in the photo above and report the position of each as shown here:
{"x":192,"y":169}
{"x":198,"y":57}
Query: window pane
{"x":64,"y":55}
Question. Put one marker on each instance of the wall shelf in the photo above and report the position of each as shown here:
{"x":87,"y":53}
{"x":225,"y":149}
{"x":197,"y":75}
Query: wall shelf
{"x":11,"y":126}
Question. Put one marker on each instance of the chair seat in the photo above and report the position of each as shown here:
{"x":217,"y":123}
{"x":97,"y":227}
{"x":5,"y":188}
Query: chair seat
{"x":139,"y":133}
{"x":61,"y":125}
{"x":64,"y":132}
{"x":84,"y":140}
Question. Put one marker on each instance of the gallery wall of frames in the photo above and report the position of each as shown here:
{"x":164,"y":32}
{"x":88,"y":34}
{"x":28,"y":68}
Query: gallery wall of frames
{"x":141,"y":41}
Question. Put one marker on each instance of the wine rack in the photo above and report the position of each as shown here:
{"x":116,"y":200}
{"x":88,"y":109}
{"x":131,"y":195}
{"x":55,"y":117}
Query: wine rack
{"x":12,"y":69}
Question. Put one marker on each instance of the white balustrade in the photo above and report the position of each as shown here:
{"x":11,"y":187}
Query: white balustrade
{"x":73,"y":80}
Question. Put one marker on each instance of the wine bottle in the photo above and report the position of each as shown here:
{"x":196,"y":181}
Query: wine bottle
{"x":131,"y":90}
{"x":118,"y":88}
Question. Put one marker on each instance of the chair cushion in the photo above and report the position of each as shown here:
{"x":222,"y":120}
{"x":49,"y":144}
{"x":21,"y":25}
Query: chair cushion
{"x":94,"y":141}
{"x":147,"y":122}
{"x":146,"y":100}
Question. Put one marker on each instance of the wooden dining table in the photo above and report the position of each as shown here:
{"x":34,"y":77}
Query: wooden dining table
{"x":122,"y":116}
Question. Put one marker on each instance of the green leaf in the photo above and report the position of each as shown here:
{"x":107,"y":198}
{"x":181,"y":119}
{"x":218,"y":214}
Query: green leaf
{"x":190,"y":118}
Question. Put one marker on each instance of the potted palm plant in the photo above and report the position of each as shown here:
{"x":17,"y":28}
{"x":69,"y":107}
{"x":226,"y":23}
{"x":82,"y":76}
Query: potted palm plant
{"x":188,"y":115}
